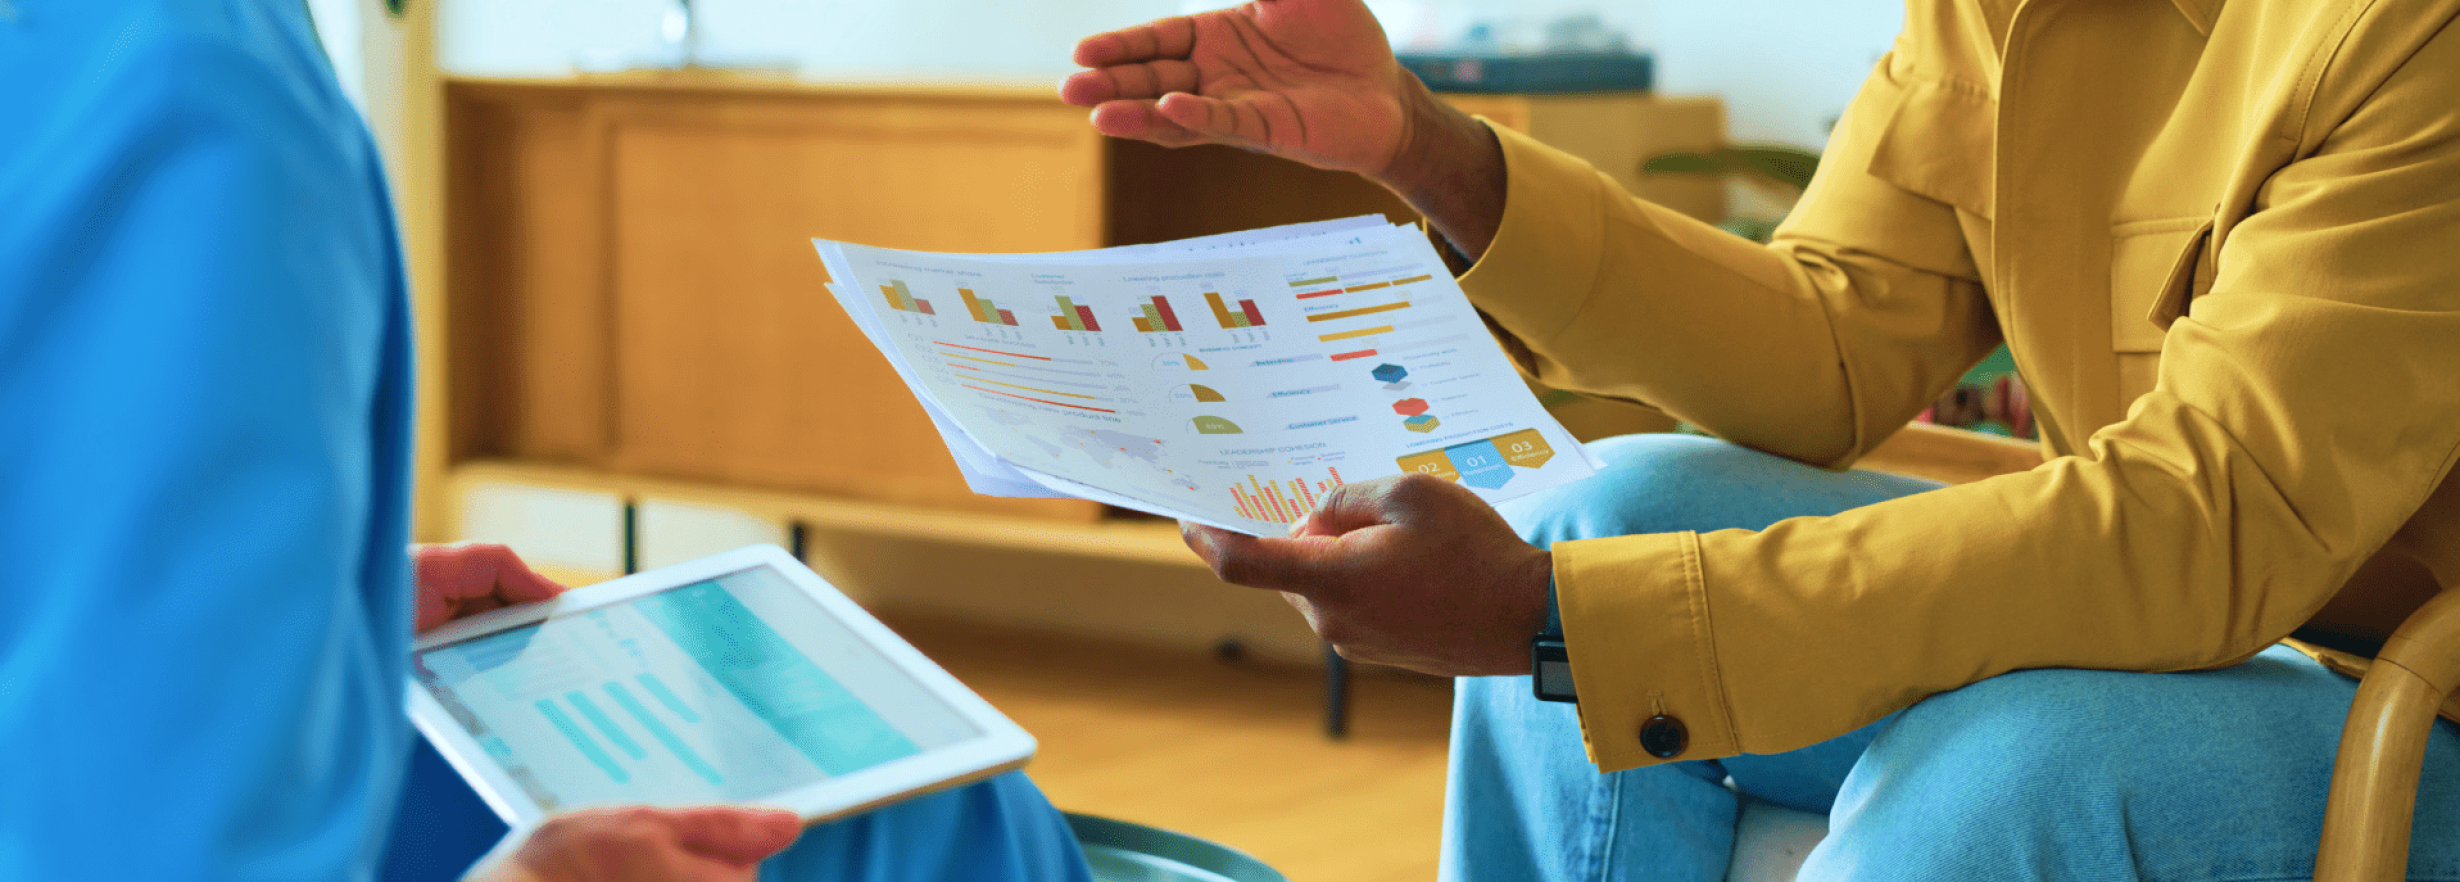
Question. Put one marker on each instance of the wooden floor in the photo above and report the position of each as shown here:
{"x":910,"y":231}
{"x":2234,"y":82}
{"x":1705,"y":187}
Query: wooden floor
{"x":1230,"y":751}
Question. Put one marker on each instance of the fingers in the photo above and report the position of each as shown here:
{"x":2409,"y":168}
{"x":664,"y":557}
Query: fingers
{"x":1236,"y":123}
{"x":644,"y":844}
{"x":1087,"y":88}
{"x":1140,"y":121}
{"x":468,"y":578}
{"x":1172,"y":37}
{"x":741,"y":836}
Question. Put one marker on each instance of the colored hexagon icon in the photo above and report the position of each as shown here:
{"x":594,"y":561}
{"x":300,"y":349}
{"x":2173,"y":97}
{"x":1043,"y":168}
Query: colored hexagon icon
{"x":1409,"y":407}
{"x":1389,"y":373}
{"x":1421,"y":423}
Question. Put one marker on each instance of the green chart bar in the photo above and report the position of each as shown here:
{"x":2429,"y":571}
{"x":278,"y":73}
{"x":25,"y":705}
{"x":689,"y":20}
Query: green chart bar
{"x":667,"y":697}
{"x":657,"y":729}
{"x":606,"y":726}
{"x":589,"y":748}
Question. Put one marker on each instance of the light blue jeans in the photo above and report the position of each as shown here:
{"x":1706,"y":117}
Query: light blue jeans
{"x":2048,"y":774}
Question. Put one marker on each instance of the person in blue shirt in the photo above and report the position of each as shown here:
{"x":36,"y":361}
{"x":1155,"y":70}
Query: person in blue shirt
{"x":205,"y":422}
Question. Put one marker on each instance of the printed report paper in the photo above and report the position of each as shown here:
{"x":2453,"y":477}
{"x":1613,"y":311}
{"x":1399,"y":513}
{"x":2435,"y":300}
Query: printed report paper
{"x":1229,"y":380}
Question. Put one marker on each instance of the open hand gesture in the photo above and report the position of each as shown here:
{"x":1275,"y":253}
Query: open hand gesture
{"x":1309,"y":80}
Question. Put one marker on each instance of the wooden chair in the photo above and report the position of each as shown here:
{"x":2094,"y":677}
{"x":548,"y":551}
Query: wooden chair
{"x":2373,"y":797}
{"x":2383,"y":746}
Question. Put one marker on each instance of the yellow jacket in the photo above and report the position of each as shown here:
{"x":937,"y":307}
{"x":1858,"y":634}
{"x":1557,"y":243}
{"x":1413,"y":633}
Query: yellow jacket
{"x":2224,"y":247}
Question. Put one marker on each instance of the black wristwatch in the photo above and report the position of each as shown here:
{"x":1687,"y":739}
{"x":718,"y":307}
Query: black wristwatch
{"x":1550,"y":664}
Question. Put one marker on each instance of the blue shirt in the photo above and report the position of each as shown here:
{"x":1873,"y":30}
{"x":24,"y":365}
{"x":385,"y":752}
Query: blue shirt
{"x":204,"y":437}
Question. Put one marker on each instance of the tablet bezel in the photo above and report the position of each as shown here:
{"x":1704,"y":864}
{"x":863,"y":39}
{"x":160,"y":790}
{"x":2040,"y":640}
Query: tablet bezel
{"x":1002,"y":746}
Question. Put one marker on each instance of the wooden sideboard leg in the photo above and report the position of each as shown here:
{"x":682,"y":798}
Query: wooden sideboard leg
{"x":1336,"y":694}
{"x":632,"y":535}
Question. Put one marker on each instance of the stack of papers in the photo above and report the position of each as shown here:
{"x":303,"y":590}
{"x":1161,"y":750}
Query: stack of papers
{"x":1229,"y":380}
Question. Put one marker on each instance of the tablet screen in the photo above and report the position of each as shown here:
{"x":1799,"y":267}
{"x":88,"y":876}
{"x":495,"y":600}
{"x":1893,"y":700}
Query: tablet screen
{"x":731,"y":689}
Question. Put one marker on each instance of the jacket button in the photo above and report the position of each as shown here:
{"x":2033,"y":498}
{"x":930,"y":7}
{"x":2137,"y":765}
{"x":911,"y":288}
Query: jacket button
{"x":1664,"y":737}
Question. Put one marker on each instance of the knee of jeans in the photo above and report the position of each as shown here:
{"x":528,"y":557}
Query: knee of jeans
{"x":2014,"y":739}
{"x":1668,"y":482}
{"x":1635,"y":492}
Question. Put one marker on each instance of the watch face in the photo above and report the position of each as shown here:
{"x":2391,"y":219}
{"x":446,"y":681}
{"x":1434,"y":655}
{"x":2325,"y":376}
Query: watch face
{"x":1550,"y":670}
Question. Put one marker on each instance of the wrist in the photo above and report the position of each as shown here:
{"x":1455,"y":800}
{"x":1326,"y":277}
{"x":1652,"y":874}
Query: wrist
{"x":1449,"y":167}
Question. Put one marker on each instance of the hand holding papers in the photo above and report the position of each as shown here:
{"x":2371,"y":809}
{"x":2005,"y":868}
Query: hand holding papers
{"x":1229,"y":380}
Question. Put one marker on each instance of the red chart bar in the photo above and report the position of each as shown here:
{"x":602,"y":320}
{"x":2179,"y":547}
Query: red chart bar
{"x":1328,"y":292}
{"x":1007,"y":318}
{"x":1255,"y":317}
{"x":1037,"y":400}
{"x":925,"y":305}
{"x":992,"y":351}
{"x":1350,"y":355}
{"x":1084,"y":314}
{"x":1170,"y":318}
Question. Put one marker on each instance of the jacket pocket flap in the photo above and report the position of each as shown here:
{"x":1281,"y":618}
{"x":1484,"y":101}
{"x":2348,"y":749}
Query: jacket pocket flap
{"x":2156,"y":269}
{"x":1940,"y":143}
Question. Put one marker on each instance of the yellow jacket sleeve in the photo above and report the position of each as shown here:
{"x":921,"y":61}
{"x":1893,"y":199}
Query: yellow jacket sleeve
{"x":2306,"y":409}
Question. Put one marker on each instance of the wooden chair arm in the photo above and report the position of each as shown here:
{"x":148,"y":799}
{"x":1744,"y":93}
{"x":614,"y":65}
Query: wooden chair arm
{"x":2383,"y":747}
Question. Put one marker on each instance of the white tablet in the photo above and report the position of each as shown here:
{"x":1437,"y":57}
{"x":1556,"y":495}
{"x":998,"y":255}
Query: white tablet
{"x":738,"y":678}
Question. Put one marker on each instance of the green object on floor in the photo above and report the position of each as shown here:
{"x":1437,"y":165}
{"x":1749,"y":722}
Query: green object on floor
{"x":1119,"y":851}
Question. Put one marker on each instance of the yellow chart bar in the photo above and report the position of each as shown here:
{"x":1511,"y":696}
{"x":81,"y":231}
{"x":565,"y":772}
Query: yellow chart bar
{"x":1353,"y":289}
{"x":1362,"y":332}
{"x":1143,"y":325}
{"x":1363,"y":310}
{"x":983,"y":360}
{"x":1031,"y":388}
{"x":1412,"y":279}
{"x":1221,"y":311}
{"x":1306,"y":282}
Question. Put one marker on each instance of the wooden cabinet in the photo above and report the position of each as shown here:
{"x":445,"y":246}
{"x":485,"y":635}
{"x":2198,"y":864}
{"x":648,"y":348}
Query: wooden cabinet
{"x":631,"y":290}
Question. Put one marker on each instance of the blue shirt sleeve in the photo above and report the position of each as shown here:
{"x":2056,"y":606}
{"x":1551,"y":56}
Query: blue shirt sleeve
{"x":204,"y":423}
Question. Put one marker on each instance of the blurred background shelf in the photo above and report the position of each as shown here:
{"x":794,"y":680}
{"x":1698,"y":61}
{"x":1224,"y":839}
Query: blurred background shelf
{"x":631,"y":308}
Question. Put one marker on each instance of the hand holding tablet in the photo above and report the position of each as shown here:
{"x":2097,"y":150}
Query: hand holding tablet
{"x":740,"y":678}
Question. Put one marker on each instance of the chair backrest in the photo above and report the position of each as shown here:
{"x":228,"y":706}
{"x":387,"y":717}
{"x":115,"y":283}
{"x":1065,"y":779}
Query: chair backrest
{"x":2373,"y":797}
{"x":2383,"y":747}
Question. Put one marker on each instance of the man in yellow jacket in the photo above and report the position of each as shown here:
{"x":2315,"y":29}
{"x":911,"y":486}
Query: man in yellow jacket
{"x":2222,"y":240}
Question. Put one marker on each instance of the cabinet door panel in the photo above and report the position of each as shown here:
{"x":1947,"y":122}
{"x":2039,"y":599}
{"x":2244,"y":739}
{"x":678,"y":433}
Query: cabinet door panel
{"x":732,"y":362}
{"x":529,"y":325}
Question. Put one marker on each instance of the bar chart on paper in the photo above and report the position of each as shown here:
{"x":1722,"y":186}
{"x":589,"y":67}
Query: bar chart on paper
{"x":1282,"y":501}
{"x":984,"y":310}
{"x":1246,"y":316}
{"x":1155,"y":316}
{"x":1357,"y":309}
{"x":1073,"y":316}
{"x":903,"y":300}
{"x":1070,"y":383}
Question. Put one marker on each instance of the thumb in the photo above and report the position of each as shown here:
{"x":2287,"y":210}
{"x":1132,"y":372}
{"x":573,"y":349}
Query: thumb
{"x":1296,"y":564}
{"x":736,"y":835}
{"x":517,"y":583}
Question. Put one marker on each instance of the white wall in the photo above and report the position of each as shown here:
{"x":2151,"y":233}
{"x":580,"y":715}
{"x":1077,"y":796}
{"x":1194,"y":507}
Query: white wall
{"x":338,"y":25}
{"x":861,"y":40}
{"x":1785,"y":67}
